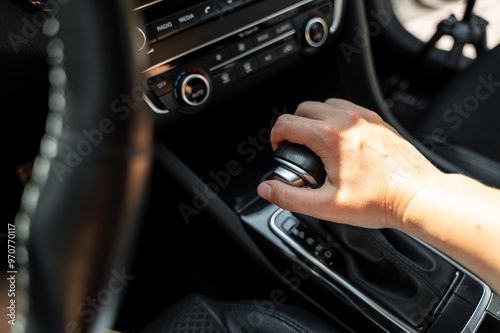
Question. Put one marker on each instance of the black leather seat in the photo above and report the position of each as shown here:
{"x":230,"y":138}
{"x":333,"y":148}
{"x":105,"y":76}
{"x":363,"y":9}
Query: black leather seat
{"x":200,"y":314}
{"x":463,"y":122}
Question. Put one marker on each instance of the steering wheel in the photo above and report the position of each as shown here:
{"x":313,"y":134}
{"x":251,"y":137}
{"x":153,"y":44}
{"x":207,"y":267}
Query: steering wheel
{"x":77,"y":219}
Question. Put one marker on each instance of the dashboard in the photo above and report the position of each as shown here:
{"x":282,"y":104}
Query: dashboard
{"x":201,"y":50}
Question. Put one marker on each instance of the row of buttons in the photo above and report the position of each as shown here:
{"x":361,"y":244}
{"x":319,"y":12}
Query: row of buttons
{"x":245,"y":45}
{"x":251,"y":66}
{"x":180,"y":21}
{"x":162,"y":84}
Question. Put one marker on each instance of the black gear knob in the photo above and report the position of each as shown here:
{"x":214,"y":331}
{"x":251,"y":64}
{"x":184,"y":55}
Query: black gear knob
{"x":298,"y":165}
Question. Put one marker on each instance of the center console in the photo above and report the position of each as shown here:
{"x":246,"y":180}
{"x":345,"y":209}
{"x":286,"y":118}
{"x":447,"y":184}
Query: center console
{"x":202,"y":54}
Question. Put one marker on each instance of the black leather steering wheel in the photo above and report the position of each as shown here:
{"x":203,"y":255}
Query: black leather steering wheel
{"x":77,"y":219}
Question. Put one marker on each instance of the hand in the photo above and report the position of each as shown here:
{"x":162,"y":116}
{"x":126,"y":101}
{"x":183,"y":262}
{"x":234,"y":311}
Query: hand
{"x":372,"y":172}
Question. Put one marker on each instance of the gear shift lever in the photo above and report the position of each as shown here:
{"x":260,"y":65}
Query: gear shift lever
{"x":298,"y":166}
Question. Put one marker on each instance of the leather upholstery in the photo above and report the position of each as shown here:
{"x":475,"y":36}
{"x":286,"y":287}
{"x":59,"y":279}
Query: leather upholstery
{"x":393,"y":269}
{"x":197,"y":313}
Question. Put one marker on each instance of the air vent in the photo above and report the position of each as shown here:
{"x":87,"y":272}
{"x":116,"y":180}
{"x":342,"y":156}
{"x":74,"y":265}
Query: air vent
{"x":326,"y":10}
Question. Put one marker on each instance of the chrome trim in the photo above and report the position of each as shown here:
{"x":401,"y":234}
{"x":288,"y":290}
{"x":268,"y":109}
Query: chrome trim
{"x":306,"y":176}
{"x":255,"y":49}
{"x":143,"y":36}
{"x":494,"y":306}
{"x":232,"y":33}
{"x":338,"y":8}
{"x":153,"y":106}
{"x":338,"y":279}
{"x":185,"y":81}
{"x":288,"y":177}
{"x":307,"y":31}
{"x":146,"y":5}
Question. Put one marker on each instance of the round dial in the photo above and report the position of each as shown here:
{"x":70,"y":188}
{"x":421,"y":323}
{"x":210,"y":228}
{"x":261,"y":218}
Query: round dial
{"x":315,"y":31}
{"x":192,"y":88}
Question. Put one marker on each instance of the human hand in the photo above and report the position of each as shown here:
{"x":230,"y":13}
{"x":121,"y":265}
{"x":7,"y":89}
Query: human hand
{"x":372,"y":172}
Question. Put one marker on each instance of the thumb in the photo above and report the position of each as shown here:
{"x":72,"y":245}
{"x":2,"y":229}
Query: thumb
{"x":295,"y":199}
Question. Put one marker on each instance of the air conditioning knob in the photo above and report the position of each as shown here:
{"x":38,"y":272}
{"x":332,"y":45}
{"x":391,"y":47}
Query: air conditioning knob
{"x":315,"y":31}
{"x":192,"y":88}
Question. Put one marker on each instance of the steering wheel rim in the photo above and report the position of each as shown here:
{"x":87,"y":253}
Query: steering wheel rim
{"x":77,"y":217}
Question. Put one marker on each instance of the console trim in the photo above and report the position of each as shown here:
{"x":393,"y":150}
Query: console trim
{"x":232,"y":33}
{"x":303,"y":174}
{"x":345,"y":284}
{"x":153,"y":106}
{"x":472,"y":324}
{"x":338,"y":9}
{"x":149,"y":4}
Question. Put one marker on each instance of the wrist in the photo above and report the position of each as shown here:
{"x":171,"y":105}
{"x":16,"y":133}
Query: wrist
{"x":415,"y":195}
{"x":434,"y":200}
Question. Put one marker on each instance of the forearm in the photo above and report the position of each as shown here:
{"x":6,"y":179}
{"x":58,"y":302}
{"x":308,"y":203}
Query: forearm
{"x":460,"y":217}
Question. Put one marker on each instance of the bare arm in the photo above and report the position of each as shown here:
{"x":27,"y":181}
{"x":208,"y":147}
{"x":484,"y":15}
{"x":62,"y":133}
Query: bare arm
{"x":376,"y":179}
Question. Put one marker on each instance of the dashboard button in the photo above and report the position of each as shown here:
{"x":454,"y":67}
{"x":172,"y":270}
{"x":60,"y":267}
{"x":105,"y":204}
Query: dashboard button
{"x":282,"y":28}
{"x":159,"y":85}
{"x":287,"y":49}
{"x":288,"y":224}
{"x":164,"y":27}
{"x":187,"y":19}
{"x":226,"y":78}
{"x":262,"y":37}
{"x":242,"y":46}
{"x":248,"y":68}
{"x":219,"y":57}
{"x":268,"y":58}
{"x":207,"y":11}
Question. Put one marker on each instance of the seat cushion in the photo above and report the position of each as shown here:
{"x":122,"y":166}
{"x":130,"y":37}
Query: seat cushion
{"x":466,"y":114}
{"x":200,"y":314}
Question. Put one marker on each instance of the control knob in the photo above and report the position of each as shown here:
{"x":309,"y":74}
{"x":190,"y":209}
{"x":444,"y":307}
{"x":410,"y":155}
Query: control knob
{"x":314,"y":30}
{"x":192,"y":88}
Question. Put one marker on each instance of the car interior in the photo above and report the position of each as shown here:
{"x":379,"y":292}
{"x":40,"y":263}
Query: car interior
{"x":141,"y":130}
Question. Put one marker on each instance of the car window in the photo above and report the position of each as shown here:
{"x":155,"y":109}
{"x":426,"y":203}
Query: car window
{"x":421,"y":17}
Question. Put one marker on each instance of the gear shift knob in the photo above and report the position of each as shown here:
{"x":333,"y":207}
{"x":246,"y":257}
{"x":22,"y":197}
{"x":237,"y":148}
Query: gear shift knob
{"x":298,"y":165}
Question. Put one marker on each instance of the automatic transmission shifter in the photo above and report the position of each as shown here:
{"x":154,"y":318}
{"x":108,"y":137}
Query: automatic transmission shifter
{"x":298,"y":166}
{"x":390,"y":267}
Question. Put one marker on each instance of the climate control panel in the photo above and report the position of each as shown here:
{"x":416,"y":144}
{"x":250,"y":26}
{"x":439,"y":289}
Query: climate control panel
{"x":189,"y":81}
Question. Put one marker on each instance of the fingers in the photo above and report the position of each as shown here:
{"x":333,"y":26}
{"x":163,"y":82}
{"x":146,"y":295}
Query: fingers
{"x":346,"y":105}
{"x":314,"y":110}
{"x":295,"y":199}
{"x":295,"y":129}
{"x":309,"y":126}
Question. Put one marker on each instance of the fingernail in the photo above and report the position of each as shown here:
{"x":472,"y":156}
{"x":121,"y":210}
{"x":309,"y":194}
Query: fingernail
{"x":264,"y":190}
